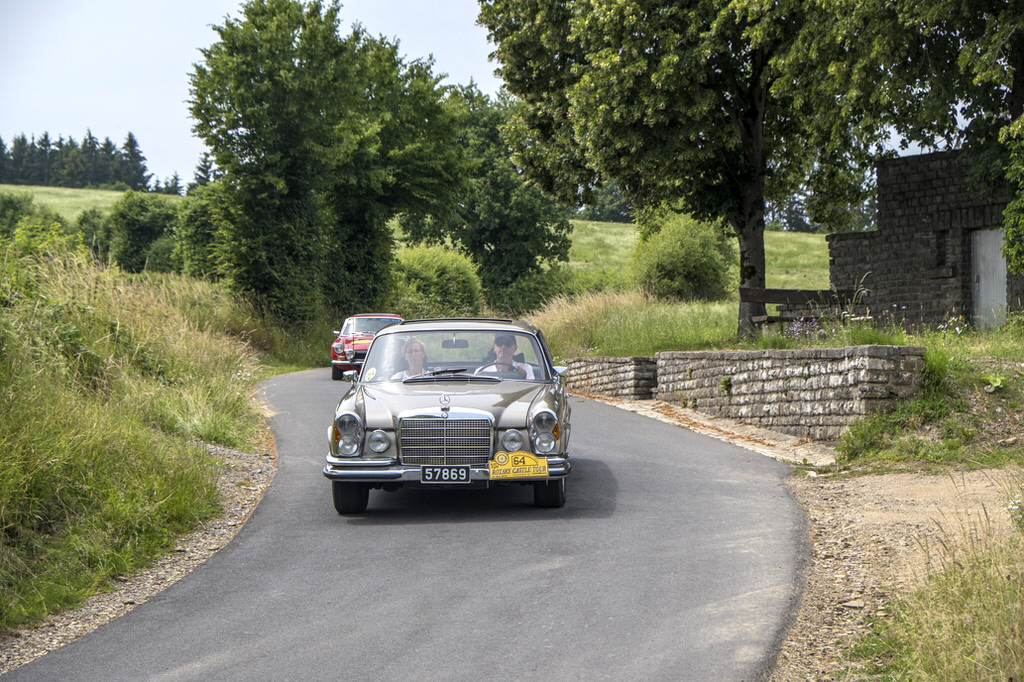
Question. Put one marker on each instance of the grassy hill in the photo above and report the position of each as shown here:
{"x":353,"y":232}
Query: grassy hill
{"x":67,"y":201}
{"x":795,"y":260}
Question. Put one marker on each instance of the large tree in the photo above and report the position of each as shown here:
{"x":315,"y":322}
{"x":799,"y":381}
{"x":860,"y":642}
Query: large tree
{"x":689,"y":100}
{"x":320,"y":139}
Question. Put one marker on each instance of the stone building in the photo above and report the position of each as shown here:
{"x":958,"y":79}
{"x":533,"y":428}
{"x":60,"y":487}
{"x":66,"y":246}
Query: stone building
{"x":935,"y":254}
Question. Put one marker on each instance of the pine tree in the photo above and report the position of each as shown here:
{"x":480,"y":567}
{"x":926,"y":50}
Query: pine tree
{"x":133,"y":165}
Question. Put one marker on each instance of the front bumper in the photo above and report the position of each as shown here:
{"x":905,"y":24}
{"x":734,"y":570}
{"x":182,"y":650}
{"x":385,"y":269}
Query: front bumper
{"x":346,"y":366}
{"x":388,"y":470}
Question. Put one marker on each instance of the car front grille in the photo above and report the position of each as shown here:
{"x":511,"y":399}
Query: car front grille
{"x":445,"y":441}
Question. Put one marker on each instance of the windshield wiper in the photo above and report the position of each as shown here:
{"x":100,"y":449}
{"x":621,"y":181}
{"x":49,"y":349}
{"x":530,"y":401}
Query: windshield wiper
{"x":450,"y":373}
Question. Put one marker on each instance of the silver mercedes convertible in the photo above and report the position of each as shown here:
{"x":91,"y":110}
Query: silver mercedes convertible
{"x":454,"y":403}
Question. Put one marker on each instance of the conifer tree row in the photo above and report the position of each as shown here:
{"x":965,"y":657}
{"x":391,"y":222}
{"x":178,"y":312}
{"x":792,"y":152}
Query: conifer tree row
{"x":64,"y":162}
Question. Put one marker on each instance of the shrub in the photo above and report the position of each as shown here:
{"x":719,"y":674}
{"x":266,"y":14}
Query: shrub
{"x":684,"y":260}
{"x":530,"y":292}
{"x":136,"y":222}
{"x":433,"y":281}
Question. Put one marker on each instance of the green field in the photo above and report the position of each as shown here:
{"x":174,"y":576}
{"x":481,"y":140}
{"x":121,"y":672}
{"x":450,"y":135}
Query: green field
{"x":794,"y":260}
{"x":65,"y":201}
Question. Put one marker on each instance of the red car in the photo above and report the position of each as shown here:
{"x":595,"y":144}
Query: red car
{"x":349,"y":349}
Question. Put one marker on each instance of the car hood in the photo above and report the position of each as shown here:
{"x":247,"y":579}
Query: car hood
{"x":510,"y":402}
{"x":360,"y":341}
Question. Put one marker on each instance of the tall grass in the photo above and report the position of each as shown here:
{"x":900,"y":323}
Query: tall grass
{"x":965,"y":623}
{"x":108,"y":383}
{"x":631,"y":323}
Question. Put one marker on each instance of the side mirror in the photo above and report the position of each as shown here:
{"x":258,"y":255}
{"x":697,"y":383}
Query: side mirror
{"x":560,"y":369}
{"x":350,"y":375}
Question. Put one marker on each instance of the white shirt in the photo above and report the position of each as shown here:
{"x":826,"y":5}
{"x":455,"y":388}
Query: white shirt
{"x":497,"y":367}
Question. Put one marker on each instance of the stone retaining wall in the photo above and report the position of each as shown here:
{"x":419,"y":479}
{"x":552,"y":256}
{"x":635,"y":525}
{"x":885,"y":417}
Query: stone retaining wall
{"x":630,"y":378}
{"x":815,"y":393}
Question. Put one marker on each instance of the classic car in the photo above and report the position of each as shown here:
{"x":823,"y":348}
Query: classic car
{"x":349,"y":348}
{"x":453,"y":403}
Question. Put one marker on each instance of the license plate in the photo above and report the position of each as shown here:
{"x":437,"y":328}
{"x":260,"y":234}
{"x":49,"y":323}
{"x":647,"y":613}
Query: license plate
{"x":444,"y":474}
{"x":506,"y":465}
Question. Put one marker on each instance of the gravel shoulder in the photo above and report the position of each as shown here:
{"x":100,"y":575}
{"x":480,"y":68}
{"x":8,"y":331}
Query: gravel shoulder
{"x":872,"y":538}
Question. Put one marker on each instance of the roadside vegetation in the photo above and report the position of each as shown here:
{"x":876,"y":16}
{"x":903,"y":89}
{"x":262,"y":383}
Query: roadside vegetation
{"x":112,"y":382}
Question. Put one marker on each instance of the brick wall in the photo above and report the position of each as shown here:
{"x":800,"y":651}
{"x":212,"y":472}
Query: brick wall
{"x":916,"y":267}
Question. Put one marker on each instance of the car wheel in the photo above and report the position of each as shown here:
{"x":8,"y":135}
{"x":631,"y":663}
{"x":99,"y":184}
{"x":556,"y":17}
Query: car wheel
{"x":337,"y":373}
{"x":549,"y":493}
{"x":350,"y":498}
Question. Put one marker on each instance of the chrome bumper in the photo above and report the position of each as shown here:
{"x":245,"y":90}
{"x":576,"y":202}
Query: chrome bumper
{"x":390,"y":471}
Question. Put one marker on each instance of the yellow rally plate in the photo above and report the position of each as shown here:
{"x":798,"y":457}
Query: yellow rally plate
{"x":517,"y":465}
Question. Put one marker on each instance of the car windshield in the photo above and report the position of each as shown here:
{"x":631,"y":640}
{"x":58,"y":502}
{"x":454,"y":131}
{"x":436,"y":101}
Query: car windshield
{"x":366,"y":325}
{"x":440,"y":355}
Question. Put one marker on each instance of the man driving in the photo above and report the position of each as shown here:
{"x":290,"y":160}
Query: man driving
{"x":504,"y":358}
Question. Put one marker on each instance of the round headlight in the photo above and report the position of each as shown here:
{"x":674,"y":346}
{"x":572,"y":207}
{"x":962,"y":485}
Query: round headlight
{"x":545,"y":421}
{"x":348,"y":434}
{"x":544,"y":432}
{"x":544,"y":442}
{"x":378,"y":441}
{"x":512,"y":440}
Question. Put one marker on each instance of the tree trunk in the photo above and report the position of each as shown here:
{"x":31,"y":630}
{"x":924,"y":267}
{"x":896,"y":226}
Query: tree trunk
{"x":749,"y":224}
{"x":752,"y":268}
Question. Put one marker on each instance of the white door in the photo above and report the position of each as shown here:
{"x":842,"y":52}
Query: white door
{"x":989,"y":277}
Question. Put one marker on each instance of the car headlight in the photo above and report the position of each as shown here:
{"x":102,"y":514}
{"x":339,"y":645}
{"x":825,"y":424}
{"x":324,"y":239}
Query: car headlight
{"x":350,"y":354}
{"x":544,"y":432}
{"x":348,"y":434}
{"x":512,"y":440}
{"x":378,"y":441}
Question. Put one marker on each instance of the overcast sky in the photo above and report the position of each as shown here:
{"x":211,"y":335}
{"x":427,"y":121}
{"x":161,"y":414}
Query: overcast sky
{"x":114,"y":66}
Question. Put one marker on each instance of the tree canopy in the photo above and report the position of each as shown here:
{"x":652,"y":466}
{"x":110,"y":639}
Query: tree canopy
{"x":943,"y":74}
{"x":691,"y":100}
{"x":319,"y":139}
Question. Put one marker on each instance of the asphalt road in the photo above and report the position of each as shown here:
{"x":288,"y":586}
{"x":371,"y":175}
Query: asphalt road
{"x":676,"y":557}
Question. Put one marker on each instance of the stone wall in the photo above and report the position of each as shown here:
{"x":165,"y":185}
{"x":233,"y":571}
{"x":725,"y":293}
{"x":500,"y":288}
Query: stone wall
{"x":814,"y":393}
{"x":630,"y":378}
{"x":916,"y":267}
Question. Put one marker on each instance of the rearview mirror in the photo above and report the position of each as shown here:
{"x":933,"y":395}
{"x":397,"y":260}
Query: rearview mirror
{"x":454,"y":343}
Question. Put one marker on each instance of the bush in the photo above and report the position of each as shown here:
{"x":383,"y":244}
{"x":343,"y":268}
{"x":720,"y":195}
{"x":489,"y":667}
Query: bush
{"x":531,"y":292}
{"x":196,"y":232}
{"x":684,"y":260}
{"x":137,"y":221}
{"x":433,"y":281}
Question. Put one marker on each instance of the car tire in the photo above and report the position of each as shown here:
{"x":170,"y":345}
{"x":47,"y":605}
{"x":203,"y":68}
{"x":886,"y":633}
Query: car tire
{"x":350,"y":498}
{"x":337,"y":373}
{"x":549,"y":493}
